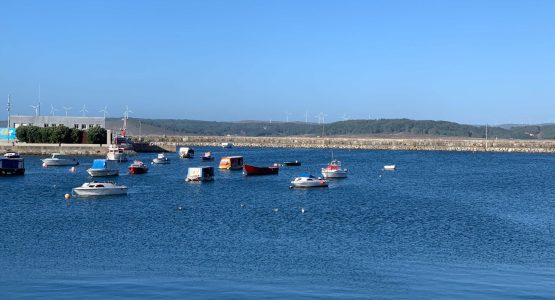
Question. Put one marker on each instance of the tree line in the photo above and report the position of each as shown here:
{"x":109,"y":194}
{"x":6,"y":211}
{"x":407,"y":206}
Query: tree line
{"x":60,"y":134}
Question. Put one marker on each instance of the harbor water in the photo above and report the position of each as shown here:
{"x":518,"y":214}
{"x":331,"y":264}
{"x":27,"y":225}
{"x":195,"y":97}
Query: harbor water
{"x":444,"y":225}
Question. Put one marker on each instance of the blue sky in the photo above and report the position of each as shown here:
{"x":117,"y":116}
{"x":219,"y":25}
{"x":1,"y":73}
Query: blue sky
{"x":465,"y":61}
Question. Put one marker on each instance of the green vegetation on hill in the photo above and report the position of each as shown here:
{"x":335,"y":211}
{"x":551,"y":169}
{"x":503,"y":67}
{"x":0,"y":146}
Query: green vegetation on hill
{"x":381,"y":127}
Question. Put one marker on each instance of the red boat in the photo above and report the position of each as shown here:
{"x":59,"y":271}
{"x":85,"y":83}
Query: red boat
{"x":137,"y":167}
{"x":252,"y":170}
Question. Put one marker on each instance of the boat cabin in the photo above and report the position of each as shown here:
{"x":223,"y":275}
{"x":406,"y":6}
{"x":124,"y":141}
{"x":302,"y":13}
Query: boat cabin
{"x":186,"y":152}
{"x":200,"y":174}
{"x":103,"y":164}
{"x":232,"y":163}
{"x":12,"y":164}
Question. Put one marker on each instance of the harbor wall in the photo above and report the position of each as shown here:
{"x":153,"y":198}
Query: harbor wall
{"x":370,"y":143}
{"x":169,"y":143}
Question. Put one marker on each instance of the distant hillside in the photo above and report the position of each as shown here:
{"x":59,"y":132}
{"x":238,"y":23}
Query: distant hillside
{"x":381,"y":127}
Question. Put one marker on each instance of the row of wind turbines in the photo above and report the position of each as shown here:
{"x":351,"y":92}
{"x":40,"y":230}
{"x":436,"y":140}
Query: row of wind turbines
{"x":83,"y":110}
{"x":321,"y":117}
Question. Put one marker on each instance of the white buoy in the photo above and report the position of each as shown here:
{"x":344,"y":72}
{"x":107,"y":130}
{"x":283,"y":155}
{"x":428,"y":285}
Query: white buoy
{"x":302,"y":210}
{"x":44,"y":165}
{"x":72,"y":169}
{"x":67,"y":196}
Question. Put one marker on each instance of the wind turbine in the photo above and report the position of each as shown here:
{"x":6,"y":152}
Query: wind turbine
{"x":104,"y":111}
{"x":125,"y":117}
{"x":66,"y":109}
{"x":287,"y":114}
{"x":52,"y":109}
{"x":36,"y":108}
{"x":84,"y":110}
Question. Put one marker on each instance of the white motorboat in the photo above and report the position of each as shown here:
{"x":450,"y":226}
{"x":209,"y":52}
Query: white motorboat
{"x":117,"y":153}
{"x":103,"y":167}
{"x":161,"y":159}
{"x":227,"y":145}
{"x":59,"y":159}
{"x":100,"y":188}
{"x":334,"y":170}
{"x":389,"y":167}
{"x":308,"y":181}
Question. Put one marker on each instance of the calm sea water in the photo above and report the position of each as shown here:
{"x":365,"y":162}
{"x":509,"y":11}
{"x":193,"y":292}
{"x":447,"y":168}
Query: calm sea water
{"x":444,"y":225}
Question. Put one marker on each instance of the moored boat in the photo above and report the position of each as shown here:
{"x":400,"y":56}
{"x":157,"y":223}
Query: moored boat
{"x":100,"y":188}
{"x":200,"y":174}
{"x":59,"y":159}
{"x":389,"y":167}
{"x":227,"y":145}
{"x":250,"y":170}
{"x":137,"y":167}
{"x":12,"y":164}
{"x":117,"y":153}
{"x":231,"y":163}
{"x":334,"y":170}
{"x":186,"y":152}
{"x":161,"y":159}
{"x":308,"y":181}
{"x":207,"y":156}
{"x":103,"y":167}
{"x":292,"y":163}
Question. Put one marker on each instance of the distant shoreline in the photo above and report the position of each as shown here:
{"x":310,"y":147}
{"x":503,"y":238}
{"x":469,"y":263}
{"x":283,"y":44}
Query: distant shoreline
{"x":169,"y":143}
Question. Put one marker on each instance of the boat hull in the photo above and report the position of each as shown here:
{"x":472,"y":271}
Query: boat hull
{"x":12,"y":172}
{"x":49,"y":162}
{"x":102,"y":172}
{"x":292,"y":163}
{"x":88,"y":192}
{"x":160,"y":161}
{"x":249,"y":170}
{"x":137,"y":170}
{"x":308,"y":184}
{"x":334,"y":174}
{"x":199,"y":179}
{"x":119,"y":157}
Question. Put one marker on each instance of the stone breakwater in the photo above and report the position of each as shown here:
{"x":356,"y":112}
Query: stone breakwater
{"x":169,"y":143}
{"x":416,"y":144}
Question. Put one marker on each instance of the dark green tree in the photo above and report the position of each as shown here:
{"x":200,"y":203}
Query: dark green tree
{"x":96,"y":135}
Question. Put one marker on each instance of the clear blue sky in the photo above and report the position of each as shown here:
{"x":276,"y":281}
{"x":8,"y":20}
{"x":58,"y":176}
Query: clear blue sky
{"x":464,"y":61}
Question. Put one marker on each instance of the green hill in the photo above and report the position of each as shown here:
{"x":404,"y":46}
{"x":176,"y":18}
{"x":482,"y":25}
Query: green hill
{"x":380,"y":127}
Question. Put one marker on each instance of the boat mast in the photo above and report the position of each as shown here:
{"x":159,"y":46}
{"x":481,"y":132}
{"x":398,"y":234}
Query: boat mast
{"x":486,"y":137}
{"x":9,"y":108}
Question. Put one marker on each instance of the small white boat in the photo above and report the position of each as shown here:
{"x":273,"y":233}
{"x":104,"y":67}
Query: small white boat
{"x":103,"y":167}
{"x":161,"y":159}
{"x":117,"y":153}
{"x":389,"y":167}
{"x":334,"y":170}
{"x":100,"y":188}
{"x":59,"y":159}
{"x":227,"y":145}
{"x":200,"y":174}
{"x":308,"y":181}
